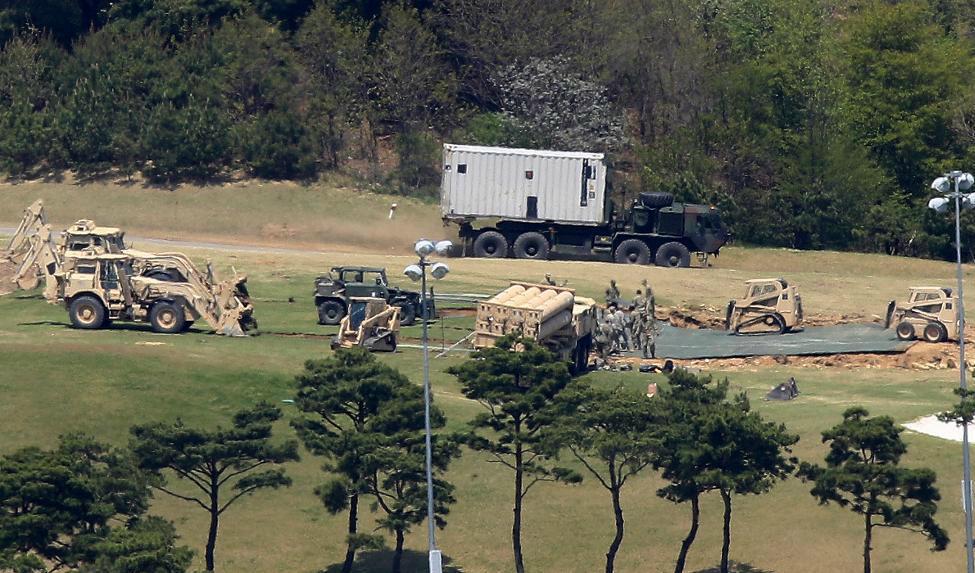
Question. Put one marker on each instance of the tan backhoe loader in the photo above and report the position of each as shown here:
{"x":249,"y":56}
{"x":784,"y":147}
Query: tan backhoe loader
{"x":32,"y":222}
{"x":101,"y":288}
{"x":770,"y":306}
{"x":42,"y":259}
{"x":930,"y":314}
{"x":371,"y":323}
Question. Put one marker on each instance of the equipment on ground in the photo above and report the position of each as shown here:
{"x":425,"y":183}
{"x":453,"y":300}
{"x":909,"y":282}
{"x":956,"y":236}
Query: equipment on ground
{"x":334,"y":291}
{"x":100,"y":288}
{"x":551,"y":315}
{"x":788,"y":390}
{"x":770,"y":306}
{"x":371,"y":323}
{"x":930,"y":314}
{"x":533,"y":204}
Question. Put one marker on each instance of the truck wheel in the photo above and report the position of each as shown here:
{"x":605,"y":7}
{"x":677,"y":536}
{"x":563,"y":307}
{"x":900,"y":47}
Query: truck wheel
{"x":330,"y":312}
{"x":407,"y":314}
{"x":633,"y":252}
{"x":531,"y":245}
{"x":656,"y":200}
{"x":491,"y":245}
{"x":934,"y":332}
{"x":167,"y":317}
{"x":673,"y":255}
{"x":905,"y":331}
{"x":87,"y":312}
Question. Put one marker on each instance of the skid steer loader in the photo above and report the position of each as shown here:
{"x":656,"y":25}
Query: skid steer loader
{"x":101,"y":288}
{"x":930,"y":314}
{"x":371,"y":323}
{"x":770,"y":306}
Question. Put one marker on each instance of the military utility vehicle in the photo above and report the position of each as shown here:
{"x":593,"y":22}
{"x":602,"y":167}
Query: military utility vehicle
{"x":532,"y":204}
{"x":770,"y":306}
{"x":334,"y":291}
{"x":930,"y":314}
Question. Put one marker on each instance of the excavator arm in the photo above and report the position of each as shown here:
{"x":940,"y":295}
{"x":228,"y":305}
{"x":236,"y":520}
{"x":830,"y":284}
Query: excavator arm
{"x":33,"y":221}
{"x":40,"y":259}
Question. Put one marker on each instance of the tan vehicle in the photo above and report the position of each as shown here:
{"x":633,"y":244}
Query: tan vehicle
{"x":371,"y":323}
{"x":930,"y":314}
{"x":551,"y":315}
{"x":102,"y":288}
{"x":770,"y":306}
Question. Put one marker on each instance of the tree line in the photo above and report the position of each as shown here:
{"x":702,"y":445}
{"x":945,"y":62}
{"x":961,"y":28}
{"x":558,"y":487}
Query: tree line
{"x":811,"y":123}
{"x":83,"y":506}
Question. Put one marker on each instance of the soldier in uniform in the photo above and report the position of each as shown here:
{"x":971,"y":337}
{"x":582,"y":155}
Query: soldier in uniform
{"x":612,"y":293}
{"x":604,"y":338}
{"x":619,"y":329}
{"x":638,"y":314}
{"x":651,"y":329}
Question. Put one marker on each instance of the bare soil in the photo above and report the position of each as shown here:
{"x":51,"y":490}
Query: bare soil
{"x":7,"y":270}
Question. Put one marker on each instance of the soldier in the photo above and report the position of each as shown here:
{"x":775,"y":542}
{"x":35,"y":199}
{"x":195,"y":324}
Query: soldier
{"x":629,"y":326}
{"x":549,"y":280}
{"x":612,"y":293}
{"x":619,"y":329}
{"x":639,"y":325}
{"x":638,"y":301}
{"x":651,"y":330}
{"x":604,"y":338}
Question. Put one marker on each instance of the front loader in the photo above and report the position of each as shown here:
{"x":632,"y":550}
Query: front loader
{"x":930,"y":314}
{"x":371,"y":323}
{"x":770,"y":306}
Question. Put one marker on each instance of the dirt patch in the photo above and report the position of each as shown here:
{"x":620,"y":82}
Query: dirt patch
{"x":7,"y":271}
{"x":704,"y":316}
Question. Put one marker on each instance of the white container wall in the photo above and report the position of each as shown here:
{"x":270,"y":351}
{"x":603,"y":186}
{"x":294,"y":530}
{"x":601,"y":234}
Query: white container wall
{"x":525,"y":184}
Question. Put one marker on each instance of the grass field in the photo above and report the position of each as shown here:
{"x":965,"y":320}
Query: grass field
{"x":55,"y":379}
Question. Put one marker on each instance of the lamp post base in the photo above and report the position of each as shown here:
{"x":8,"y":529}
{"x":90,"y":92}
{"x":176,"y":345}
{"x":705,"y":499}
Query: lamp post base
{"x":436,"y":561}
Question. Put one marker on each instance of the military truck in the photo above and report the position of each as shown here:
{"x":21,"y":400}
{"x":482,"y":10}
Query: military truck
{"x":770,"y":306}
{"x":533,"y":204}
{"x":930,"y":314}
{"x":551,"y":315}
{"x":334,"y":291}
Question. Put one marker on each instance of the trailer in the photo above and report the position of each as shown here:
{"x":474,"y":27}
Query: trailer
{"x":553,"y":316}
{"x":535,"y":204}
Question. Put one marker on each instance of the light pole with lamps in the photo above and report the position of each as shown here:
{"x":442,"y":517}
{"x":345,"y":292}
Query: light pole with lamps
{"x":951,"y":185}
{"x":418,"y":272}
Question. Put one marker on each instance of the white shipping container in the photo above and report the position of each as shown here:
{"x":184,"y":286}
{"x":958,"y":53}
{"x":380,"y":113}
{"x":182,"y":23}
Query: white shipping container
{"x":526,"y":184}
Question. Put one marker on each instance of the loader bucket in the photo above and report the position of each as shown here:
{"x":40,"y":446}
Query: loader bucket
{"x":230,"y":323}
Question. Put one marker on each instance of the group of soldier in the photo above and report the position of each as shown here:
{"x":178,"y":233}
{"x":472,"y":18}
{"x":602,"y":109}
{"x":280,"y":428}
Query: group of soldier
{"x":628,"y":326}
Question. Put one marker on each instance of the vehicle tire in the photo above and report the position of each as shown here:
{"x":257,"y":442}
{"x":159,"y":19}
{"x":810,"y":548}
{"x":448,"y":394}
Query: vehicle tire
{"x":167,"y":317}
{"x":656,"y":200}
{"x":330,"y":312}
{"x":87,"y":312}
{"x":673,"y":255}
{"x":633,"y":252}
{"x":934,"y":332}
{"x":905,"y":331}
{"x":491,"y":245}
{"x":530,"y":245}
{"x":407,"y":314}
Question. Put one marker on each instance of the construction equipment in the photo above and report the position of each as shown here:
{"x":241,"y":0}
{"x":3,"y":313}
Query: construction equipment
{"x":42,"y":258}
{"x":551,"y":315}
{"x":33,"y":221}
{"x":99,"y":288}
{"x":371,"y":323}
{"x":334,"y":291}
{"x":930,"y":314}
{"x":770,"y":306}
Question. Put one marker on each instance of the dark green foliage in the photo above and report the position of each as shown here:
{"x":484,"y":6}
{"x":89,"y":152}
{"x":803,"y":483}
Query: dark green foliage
{"x":189,"y":141}
{"x":612,"y":432}
{"x":517,"y":382}
{"x":71,"y":507}
{"x":419,"y":154}
{"x":366,"y":419}
{"x":220,"y":466}
{"x":862,"y":474}
{"x":277,"y":145}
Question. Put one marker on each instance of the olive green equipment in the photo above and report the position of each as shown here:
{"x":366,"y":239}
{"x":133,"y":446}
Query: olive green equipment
{"x":930,"y":314}
{"x":769,"y":306}
{"x":371,"y":323}
{"x":100,"y":288}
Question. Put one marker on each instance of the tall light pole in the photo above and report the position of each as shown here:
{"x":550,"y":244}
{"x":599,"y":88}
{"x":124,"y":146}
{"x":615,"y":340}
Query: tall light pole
{"x":418,"y":272}
{"x":951,"y":185}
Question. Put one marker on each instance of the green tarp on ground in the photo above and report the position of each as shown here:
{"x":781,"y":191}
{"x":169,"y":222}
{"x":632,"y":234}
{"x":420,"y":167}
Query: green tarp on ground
{"x":688,"y":343}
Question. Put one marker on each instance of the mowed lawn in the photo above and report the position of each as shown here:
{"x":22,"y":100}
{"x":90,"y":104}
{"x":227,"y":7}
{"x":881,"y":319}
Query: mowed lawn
{"x":55,"y":380}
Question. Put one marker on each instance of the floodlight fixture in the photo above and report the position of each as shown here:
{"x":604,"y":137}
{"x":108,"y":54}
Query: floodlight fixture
{"x":424,"y":248}
{"x":941,"y":185}
{"x":443,"y":247}
{"x":939,"y":204}
{"x":414,"y":272}
{"x":965,"y":181}
{"x":439,"y":270}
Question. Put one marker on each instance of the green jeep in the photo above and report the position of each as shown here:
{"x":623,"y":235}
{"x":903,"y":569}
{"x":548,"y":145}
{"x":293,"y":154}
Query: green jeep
{"x":333,"y":291}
